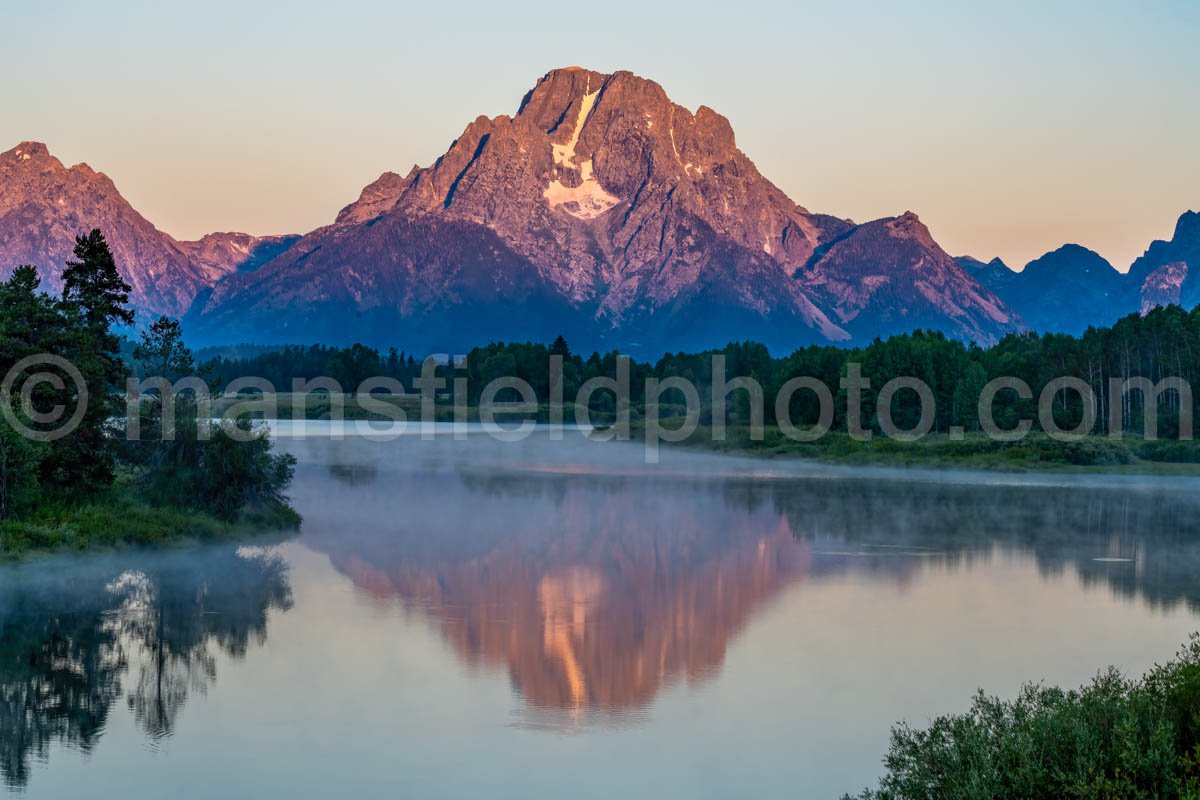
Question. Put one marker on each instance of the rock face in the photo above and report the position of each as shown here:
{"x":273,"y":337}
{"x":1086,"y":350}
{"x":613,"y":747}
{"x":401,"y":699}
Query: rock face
{"x":1170,"y":271}
{"x":221,"y":254}
{"x":1163,"y":286}
{"x":44,"y":205}
{"x":890,"y":276}
{"x":603,"y":211}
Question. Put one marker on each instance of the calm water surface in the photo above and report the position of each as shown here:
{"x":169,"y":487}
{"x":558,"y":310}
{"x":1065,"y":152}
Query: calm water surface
{"x":542,"y":618}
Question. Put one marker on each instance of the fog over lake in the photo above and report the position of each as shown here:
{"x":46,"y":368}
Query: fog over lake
{"x":536,"y":618}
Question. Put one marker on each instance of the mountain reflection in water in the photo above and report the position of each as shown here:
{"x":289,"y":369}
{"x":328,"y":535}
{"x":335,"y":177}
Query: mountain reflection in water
{"x":595,"y":590}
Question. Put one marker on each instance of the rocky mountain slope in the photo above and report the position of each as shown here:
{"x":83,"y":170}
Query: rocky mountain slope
{"x":44,"y":205}
{"x":890,"y":276}
{"x":1169,"y":272}
{"x":221,"y":254}
{"x":638,"y":223}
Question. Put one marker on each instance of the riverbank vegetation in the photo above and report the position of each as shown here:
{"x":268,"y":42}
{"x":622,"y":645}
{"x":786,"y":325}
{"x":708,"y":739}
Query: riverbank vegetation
{"x":69,"y":475}
{"x":974,"y":450}
{"x":1114,"y":738}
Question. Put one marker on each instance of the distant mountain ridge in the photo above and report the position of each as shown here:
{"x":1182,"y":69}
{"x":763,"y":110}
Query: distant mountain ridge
{"x":601,"y":211}
{"x":1072,"y":287}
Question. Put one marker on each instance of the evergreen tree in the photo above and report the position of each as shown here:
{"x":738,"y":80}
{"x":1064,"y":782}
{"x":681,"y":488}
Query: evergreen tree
{"x":93,"y":285}
{"x":30,"y":323}
{"x":162,"y":353}
{"x":95,"y":298}
{"x":560,"y":348}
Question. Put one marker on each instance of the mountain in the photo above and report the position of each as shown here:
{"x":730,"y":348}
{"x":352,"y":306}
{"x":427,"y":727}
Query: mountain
{"x":44,"y":205}
{"x":1072,"y":287}
{"x":221,"y":254}
{"x":603,"y":211}
{"x":994,"y":274}
{"x":1064,"y":291}
{"x":1169,"y":272}
{"x":890,"y":276}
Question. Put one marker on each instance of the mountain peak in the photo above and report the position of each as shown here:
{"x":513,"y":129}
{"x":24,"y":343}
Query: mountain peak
{"x":27,"y":151}
{"x":37,"y":155}
{"x":1188,"y":226}
{"x":44,"y":206}
{"x":909,"y":225}
{"x":1074,"y":260}
{"x":32,"y":148}
{"x":603,"y":200}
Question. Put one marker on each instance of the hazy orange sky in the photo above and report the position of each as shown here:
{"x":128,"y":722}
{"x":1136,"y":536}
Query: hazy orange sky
{"x":1010,"y":130}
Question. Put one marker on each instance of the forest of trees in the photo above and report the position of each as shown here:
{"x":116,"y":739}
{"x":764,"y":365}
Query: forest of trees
{"x":68,"y":474}
{"x":1163,"y":344}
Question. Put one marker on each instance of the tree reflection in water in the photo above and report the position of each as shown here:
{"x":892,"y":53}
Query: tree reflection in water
{"x":77,"y":637}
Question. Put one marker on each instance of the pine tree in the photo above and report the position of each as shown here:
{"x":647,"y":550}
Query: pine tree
{"x":95,"y":298}
{"x":94,"y":286}
{"x":162,"y":353}
{"x":560,"y":348}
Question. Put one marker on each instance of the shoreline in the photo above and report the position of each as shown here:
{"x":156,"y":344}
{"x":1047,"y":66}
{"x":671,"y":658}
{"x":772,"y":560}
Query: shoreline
{"x":121,"y":518}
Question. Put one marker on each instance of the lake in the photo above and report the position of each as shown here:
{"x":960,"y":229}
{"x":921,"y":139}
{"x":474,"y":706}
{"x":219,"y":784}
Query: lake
{"x":539,"y":618}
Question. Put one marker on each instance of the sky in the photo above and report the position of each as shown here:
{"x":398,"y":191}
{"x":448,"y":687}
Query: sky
{"x":1009,"y":128}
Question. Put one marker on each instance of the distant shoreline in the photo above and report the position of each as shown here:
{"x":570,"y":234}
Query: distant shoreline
{"x":1037,"y":452}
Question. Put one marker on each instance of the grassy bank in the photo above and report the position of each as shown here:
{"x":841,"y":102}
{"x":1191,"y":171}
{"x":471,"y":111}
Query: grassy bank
{"x":1037,"y":451}
{"x":123,"y":516}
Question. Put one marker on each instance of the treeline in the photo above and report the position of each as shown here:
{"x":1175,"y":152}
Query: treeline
{"x":68,"y":472}
{"x":349,"y":366}
{"x":1163,"y":344}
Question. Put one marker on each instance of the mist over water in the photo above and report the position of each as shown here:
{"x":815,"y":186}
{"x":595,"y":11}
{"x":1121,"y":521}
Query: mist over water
{"x":537,"y":618}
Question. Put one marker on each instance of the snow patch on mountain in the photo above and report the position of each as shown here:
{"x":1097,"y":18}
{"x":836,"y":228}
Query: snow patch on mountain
{"x":588,"y":200}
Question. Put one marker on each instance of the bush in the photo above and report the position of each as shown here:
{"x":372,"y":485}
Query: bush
{"x":1114,"y":738}
{"x":230,"y":473}
{"x":1168,"y":451}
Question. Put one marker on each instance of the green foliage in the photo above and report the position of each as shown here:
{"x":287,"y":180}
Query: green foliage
{"x":1114,"y":738}
{"x":162,"y":353}
{"x":20,"y":460}
{"x":232,"y":473}
{"x":118,"y":516}
{"x":226,"y":469}
{"x":95,"y":299}
{"x":61,"y":493}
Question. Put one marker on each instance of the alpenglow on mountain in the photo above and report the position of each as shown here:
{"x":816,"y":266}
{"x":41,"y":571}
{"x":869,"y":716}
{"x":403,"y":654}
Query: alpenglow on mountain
{"x":605,"y":212}
{"x":601,"y":211}
{"x":44,"y":205}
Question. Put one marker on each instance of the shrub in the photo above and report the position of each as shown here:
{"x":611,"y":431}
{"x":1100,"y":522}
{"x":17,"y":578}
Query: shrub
{"x":1114,"y":738}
